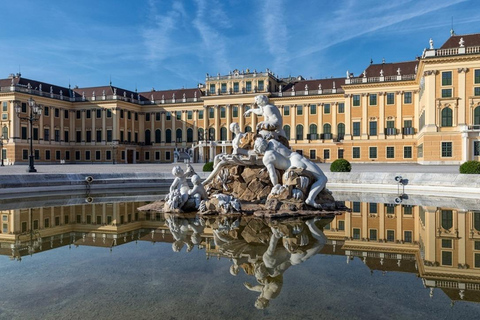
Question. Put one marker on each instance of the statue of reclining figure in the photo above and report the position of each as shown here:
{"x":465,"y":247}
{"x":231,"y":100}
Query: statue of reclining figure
{"x":278,"y":156}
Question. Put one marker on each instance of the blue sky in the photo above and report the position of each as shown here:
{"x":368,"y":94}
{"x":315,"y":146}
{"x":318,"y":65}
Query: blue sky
{"x":168,"y":44}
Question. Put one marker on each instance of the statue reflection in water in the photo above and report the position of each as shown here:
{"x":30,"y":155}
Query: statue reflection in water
{"x":266,"y":249}
{"x":185,"y":231}
{"x":263,"y":249}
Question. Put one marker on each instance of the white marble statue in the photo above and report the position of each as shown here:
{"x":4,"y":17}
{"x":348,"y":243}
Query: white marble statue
{"x":235,"y":128}
{"x":272,"y":123}
{"x":278,"y":156}
{"x":198,"y":192}
{"x":179,"y":189}
{"x":239,"y":155}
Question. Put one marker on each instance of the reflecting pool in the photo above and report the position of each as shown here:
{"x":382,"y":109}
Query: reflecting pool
{"x":98,"y":257}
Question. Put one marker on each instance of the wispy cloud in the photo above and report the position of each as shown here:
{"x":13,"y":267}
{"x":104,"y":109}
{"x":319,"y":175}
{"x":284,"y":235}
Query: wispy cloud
{"x":275,"y":32}
{"x":213,"y":42}
{"x":359,"y":18}
{"x":157,"y":35}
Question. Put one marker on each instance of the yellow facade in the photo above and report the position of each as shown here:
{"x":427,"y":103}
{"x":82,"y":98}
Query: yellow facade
{"x":422,"y":111}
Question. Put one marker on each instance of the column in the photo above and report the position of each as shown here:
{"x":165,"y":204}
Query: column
{"x":320,"y":118}
{"x":41,"y":220}
{"x":84,"y":134}
{"x":52,"y":125}
{"x":381,"y":115}
{"x":217,"y":122}
{"x":348,"y":117}
{"x":398,"y":116}
{"x":62,"y":124}
{"x":306,"y":124}
{"x":40,"y":129}
{"x":348,"y":224}
{"x":430,"y":240}
{"x":399,"y":217}
{"x":195,"y":125}
{"x":462,"y":106}
{"x":164,"y":129}
{"x":254,"y":121}
{"x":184,"y":126}
{"x":365,"y":215}
{"x":241,"y":111}
{"x":15,"y":125}
{"x":104,"y":213}
{"x":462,"y":236}
{"x":205,"y":122}
{"x":72,"y":129}
{"x":152,"y":127}
{"x":416,"y":112}
{"x":333,"y":110}
{"x":125,"y":126}
{"x":381,"y":223}
{"x":94,"y":131}
{"x":173,"y":118}
{"x":364,"y":116}
{"x":133,"y":125}
{"x":229,"y":120}
{"x":116,"y":129}
{"x":104,"y":126}
{"x":293,"y":123}
{"x":429,"y":101}
{"x":141,"y":127}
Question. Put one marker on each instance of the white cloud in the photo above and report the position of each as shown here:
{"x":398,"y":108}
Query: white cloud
{"x":357,"y":18}
{"x":213,"y":48}
{"x":275,"y":32}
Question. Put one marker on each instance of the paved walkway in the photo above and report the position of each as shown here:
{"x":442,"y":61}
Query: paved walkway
{"x":167,"y":167}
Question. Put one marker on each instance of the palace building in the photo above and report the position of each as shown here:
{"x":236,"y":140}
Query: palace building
{"x":423,"y":111}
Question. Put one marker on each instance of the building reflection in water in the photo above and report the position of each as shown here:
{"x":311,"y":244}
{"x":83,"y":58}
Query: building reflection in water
{"x":439,"y":244}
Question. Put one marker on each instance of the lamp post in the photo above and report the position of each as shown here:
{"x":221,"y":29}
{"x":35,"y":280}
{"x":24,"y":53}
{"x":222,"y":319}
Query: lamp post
{"x":114,"y":145}
{"x":1,"y":148}
{"x":33,"y":115}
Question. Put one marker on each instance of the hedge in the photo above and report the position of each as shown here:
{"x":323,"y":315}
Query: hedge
{"x":207,"y":167}
{"x":470,"y":167}
{"x":340,"y":165}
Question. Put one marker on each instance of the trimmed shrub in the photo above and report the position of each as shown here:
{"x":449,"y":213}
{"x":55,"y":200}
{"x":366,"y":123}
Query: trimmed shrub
{"x":340,"y":165}
{"x":208,"y":167}
{"x":470,"y":167}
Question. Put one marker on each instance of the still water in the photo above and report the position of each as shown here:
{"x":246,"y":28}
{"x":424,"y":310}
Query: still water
{"x":104,"y":259}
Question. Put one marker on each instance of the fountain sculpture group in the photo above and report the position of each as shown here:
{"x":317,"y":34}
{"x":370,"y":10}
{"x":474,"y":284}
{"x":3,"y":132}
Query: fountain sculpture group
{"x":261,"y":176}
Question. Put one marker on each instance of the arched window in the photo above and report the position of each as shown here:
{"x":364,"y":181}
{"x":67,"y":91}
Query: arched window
{"x":299,"y":132}
{"x":5,"y":132}
{"x":168,"y":136}
{"x":211,"y":134}
{"x":248,"y":129}
{"x":341,"y":131}
{"x":178,"y":135}
{"x":201,"y":135}
{"x":223,"y":133}
{"x":447,"y":219}
{"x":476,"y":116}
{"x":327,"y":131}
{"x":313,"y":129}
{"x":286,"y":128}
{"x":158,"y":136}
{"x":189,"y":135}
{"x":476,"y":220}
{"x":148,"y":137}
{"x":447,"y":117}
